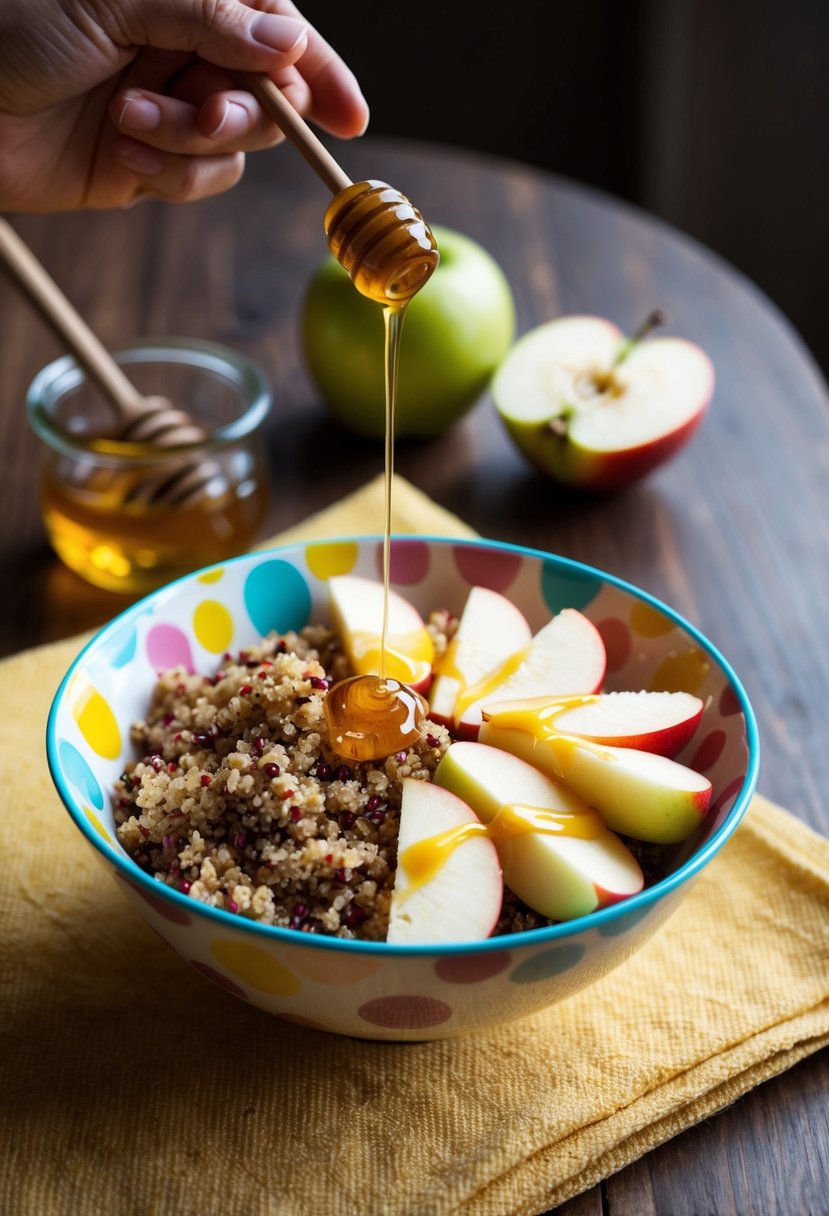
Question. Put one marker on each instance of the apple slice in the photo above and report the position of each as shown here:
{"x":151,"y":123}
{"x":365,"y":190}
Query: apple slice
{"x":491,"y":629}
{"x":448,"y":886}
{"x":638,"y":793}
{"x":660,"y":722}
{"x":556,"y":852}
{"x":567,"y":656}
{"x":596,"y":410}
{"x":356,"y":606}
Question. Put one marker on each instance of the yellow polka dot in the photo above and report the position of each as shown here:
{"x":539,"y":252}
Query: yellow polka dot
{"x":97,"y":825}
{"x":326,"y":561}
{"x":255,"y":967}
{"x":680,"y":672}
{"x":212,"y":576}
{"x":334,"y":969}
{"x":95,"y":720}
{"x":649,"y":622}
{"x":213,"y":625}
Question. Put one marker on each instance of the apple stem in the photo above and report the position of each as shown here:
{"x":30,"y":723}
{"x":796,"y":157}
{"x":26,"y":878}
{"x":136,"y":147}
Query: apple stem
{"x":651,"y":322}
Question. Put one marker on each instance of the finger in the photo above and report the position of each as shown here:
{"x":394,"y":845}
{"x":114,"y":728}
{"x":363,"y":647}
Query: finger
{"x":178,"y":179}
{"x":231,"y":34}
{"x":334,"y":100}
{"x":224,"y":120}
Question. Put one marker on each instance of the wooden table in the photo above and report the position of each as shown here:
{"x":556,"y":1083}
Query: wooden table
{"x":733,"y":532}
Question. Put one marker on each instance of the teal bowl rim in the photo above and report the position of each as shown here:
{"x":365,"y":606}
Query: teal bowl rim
{"x":642,"y":902}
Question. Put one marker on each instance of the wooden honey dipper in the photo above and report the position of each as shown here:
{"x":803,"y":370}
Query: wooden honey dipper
{"x":372,"y":229}
{"x":142,"y":420}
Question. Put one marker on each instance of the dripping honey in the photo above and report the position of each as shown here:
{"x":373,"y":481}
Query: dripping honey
{"x":390,"y":253}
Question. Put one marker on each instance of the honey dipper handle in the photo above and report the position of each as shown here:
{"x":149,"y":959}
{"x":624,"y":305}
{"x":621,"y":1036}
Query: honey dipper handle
{"x":295,"y":128}
{"x":54,"y":308}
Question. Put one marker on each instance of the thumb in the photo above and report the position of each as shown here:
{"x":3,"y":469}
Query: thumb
{"x":228,"y":33}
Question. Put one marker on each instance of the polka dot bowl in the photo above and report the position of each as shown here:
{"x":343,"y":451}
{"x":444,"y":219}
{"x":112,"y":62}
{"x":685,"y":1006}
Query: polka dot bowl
{"x":369,"y":989}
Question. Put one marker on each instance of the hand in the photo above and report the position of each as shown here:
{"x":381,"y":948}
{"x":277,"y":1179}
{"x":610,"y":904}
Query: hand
{"x":104,"y":102}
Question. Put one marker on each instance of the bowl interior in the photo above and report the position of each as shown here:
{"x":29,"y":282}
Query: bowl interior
{"x":194,"y":621}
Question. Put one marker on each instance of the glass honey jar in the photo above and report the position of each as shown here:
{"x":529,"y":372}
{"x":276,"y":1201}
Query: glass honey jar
{"x":119,"y":514}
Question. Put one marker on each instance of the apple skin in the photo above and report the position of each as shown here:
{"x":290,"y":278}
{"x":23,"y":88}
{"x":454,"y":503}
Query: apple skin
{"x":455,"y":332}
{"x":659,"y":722}
{"x":639,"y":794}
{"x":560,"y":877}
{"x":567,"y":656}
{"x":573,"y":460}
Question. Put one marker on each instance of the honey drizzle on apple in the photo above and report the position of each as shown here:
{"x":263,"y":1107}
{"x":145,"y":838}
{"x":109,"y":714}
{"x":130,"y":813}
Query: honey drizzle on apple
{"x":422,"y":860}
{"x":373,"y":716}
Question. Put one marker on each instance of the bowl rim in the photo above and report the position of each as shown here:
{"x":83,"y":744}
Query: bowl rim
{"x":640,"y":903}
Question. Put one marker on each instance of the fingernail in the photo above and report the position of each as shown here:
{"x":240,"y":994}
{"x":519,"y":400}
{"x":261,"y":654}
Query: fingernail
{"x":139,"y":114}
{"x":140,"y":159}
{"x":279,"y":33}
{"x":365,"y":124}
{"x":234,"y":122}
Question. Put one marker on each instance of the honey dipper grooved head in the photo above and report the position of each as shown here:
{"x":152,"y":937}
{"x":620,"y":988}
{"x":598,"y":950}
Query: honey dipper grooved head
{"x":382,"y":241}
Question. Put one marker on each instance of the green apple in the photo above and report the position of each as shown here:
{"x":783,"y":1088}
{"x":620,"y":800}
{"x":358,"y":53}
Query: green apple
{"x":456,"y":330}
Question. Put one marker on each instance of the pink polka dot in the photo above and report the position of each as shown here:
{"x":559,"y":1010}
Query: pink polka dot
{"x":708,"y":752}
{"x":482,"y":567}
{"x":616,"y":637}
{"x":473,"y":969}
{"x":218,"y":978}
{"x":168,"y":646}
{"x":729,"y":704}
{"x":170,"y":911}
{"x":409,"y":561}
{"x":405,"y":1012}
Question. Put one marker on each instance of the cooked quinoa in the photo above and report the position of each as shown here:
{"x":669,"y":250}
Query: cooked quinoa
{"x":240,"y":802}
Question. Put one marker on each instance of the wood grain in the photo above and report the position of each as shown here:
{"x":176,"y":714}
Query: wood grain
{"x":734,"y":533}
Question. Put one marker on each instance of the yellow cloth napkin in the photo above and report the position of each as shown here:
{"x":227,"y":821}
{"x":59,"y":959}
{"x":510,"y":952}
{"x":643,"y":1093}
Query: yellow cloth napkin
{"x":130,"y":1085}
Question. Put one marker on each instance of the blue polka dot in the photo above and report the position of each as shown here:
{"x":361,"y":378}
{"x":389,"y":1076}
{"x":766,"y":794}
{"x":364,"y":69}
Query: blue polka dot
{"x":568,"y":589}
{"x":621,"y":924}
{"x":277,"y":597}
{"x":548,"y":963}
{"x":124,"y":645}
{"x":80,"y":774}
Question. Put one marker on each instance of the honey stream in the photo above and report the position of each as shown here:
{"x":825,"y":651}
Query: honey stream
{"x":371,"y":717}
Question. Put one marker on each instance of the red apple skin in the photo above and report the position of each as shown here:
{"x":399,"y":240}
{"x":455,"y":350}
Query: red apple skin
{"x":610,"y":471}
{"x":563,"y":459}
{"x":618,"y":469}
{"x":667,"y":742}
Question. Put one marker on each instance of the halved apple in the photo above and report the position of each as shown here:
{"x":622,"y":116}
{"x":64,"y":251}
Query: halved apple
{"x":566,"y":656}
{"x":490,"y":629}
{"x":638,"y":793}
{"x":556,"y":852}
{"x":596,"y":410}
{"x":448,"y":886}
{"x":660,"y":722}
{"x":356,"y":606}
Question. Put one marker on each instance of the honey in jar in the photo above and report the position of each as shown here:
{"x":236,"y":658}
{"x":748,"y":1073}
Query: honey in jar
{"x":96,"y":516}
